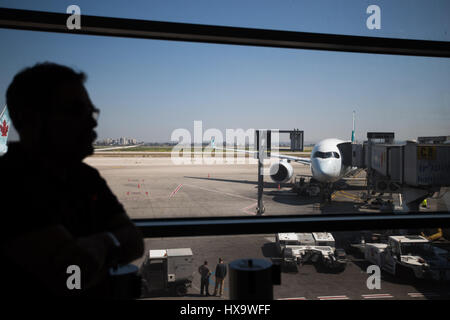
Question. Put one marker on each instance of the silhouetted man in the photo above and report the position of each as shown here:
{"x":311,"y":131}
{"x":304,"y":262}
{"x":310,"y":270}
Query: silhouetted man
{"x":57,"y":211}
{"x":221,"y":272}
{"x":204,"y":278}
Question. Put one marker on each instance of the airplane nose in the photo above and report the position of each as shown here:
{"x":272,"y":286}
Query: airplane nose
{"x":328,"y":170}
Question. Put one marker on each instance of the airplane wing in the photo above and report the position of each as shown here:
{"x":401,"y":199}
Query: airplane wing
{"x":116,"y":148}
{"x":305,"y":161}
{"x":291,"y":158}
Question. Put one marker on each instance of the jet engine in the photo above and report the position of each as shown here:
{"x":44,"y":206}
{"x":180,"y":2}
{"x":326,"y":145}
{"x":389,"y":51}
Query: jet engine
{"x":281,"y":172}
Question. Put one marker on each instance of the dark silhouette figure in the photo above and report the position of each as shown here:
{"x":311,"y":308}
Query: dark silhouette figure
{"x":204,"y":278}
{"x":221,"y":273}
{"x":57,"y":211}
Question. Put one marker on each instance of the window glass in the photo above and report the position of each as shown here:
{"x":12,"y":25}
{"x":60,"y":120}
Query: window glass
{"x":159,"y":93}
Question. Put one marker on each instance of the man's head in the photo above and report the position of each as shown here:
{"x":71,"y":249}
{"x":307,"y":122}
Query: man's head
{"x":52,"y":112}
{"x":205,"y":263}
{"x":220,"y":260}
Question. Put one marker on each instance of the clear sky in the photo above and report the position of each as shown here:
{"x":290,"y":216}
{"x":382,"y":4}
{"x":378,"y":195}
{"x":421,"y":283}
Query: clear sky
{"x":147,"y":88}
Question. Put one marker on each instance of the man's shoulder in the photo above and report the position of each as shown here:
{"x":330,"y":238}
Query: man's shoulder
{"x":86,"y":172}
{"x":85,"y":168}
{"x":10,"y":171}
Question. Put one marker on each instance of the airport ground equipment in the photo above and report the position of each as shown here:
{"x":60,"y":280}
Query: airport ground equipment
{"x":304,"y":186}
{"x":433,"y":235}
{"x":408,"y":256}
{"x":167,"y":270}
{"x":316,"y":247}
{"x":415,"y":169}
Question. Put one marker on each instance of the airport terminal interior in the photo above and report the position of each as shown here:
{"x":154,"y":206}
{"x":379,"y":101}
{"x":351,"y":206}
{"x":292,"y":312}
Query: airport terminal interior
{"x":299,"y":115}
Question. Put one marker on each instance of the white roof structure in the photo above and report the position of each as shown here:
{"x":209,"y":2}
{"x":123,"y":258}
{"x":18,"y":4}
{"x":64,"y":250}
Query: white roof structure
{"x":181,"y":252}
{"x":157,"y":254}
{"x":306,"y":238}
{"x":410,"y":239}
{"x":323,"y":236}
{"x":290,"y":236}
{"x":164,"y":253}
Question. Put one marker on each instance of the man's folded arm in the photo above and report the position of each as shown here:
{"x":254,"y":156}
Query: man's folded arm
{"x":129,"y":237}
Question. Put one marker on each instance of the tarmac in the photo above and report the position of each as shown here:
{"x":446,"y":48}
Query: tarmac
{"x":306,"y":282}
{"x":155,"y":187}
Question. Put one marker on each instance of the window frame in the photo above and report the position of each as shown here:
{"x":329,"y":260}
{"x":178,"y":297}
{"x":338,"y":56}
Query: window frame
{"x":157,"y":30}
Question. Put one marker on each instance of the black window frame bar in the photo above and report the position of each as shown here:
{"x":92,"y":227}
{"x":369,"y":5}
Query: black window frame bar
{"x":157,"y":30}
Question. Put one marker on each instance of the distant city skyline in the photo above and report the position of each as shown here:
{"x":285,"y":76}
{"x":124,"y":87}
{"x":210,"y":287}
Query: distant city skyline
{"x":116,"y":141}
{"x":146,"y":89}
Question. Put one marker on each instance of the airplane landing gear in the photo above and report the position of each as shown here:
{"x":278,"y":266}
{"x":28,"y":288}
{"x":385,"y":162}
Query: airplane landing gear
{"x":326,"y":192}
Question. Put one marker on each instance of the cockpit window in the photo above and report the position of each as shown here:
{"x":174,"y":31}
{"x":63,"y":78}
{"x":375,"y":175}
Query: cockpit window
{"x":325,"y":155}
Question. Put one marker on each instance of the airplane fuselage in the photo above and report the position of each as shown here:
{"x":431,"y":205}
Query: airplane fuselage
{"x":326,"y":161}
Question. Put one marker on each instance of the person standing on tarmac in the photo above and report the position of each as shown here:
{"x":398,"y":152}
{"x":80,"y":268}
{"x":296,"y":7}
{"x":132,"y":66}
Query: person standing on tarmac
{"x":204,"y":280}
{"x":221,"y":272}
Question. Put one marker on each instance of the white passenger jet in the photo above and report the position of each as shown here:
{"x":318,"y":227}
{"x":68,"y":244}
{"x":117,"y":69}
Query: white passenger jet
{"x":326,"y":163}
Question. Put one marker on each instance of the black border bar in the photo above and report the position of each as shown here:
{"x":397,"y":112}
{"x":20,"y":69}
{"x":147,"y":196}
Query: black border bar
{"x":132,"y":28}
{"x":155,"y":228}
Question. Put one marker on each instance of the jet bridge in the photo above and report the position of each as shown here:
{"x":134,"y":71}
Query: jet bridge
{"x":415,"y":169}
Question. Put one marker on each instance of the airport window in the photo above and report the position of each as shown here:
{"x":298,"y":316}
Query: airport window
{"x":145,"y":108}
{"x":166,"y":85}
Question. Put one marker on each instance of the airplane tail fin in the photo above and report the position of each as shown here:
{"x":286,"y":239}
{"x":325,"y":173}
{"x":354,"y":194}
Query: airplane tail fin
{"x":213,"y":145}
{"x":353,"y":130}
{"x":5,"y":122}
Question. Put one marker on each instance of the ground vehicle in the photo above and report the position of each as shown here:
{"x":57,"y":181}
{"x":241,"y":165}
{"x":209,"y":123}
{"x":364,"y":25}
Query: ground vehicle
{"x":310,"y":247}
{"x":167,"y":270}
{"x":409,"y":256}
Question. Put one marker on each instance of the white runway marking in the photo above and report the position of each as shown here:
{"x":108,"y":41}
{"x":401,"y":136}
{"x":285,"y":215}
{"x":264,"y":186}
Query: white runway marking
{"x":377,"y":296}
{"x":333,"y":298}
{"x":175,"y":191}
{"x":423,"y":294}
{"x":249,"y":207}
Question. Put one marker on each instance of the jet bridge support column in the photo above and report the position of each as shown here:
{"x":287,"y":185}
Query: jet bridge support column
{"x":260,"y":208}
{"x":263,"y":146}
